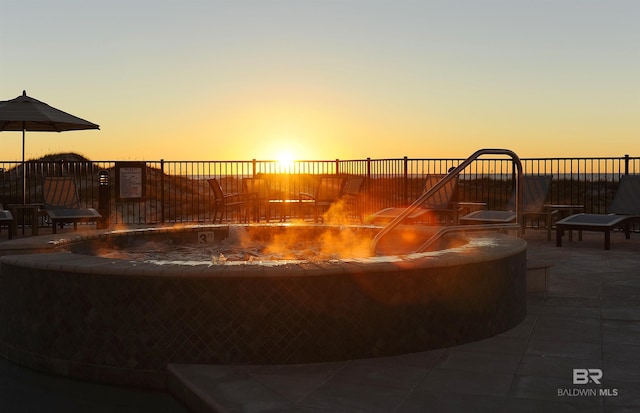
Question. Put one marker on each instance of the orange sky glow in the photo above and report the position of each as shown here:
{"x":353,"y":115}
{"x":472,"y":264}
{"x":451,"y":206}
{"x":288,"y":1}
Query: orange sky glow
{"x":239,"y":80}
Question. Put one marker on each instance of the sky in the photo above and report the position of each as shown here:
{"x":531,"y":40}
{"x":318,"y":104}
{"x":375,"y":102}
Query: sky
{"x":326,"y":79}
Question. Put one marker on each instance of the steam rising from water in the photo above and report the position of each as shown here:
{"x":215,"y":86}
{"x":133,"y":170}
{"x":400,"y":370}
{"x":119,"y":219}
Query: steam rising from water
{"x":331,"y":241}
{"x":337,"y":241}
{"x":329,"y":244}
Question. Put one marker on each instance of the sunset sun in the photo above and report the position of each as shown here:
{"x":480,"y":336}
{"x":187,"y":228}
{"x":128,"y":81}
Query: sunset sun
{"x":286,"y":160}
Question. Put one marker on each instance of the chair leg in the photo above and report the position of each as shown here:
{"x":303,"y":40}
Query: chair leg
{"x":9,"y":229}
{"x":559,"y":234}
{"x":255,"y":211}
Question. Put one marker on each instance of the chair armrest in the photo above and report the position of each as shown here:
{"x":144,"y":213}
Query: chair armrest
{"x":469,"y":207}
{"x":470,"y":204}
{"x":306,"y":195}
{"x":235,"y":195}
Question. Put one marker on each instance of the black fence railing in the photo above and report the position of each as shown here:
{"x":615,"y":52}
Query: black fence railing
{"x":177,"y":191}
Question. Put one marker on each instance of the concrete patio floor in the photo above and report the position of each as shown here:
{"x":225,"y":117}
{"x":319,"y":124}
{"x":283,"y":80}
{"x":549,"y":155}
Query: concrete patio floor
{"x":589,"y":319}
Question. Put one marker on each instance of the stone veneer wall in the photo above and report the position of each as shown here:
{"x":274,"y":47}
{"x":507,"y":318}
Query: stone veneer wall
{"x":109,"y":320}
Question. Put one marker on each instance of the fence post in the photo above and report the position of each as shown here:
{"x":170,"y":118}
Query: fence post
{"x":337,"y":166}
{"x":253,"y":164}
{"x":162,"y":190}
{"x":367,"y":186}
{"x":626,"y":164}
{"x":405,"y":186}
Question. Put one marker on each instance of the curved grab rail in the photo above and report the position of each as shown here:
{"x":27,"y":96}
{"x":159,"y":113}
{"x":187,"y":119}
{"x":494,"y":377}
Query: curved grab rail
{"x":451,"y":175}
{"x":464,"y":228}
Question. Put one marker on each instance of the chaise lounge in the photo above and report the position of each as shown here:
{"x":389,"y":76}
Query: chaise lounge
{"x":62,"y":203}
{"x":535,"y":189}
{"x":6,"y":219}
{"x":441,"y":204}
{"x":624,"y":209}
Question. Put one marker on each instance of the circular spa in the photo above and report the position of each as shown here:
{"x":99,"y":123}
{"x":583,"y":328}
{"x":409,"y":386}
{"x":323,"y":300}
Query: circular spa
{"x":97,"y":309}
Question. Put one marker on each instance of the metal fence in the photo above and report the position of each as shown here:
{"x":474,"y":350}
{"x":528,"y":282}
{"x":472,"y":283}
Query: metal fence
{"x":177,"y":191}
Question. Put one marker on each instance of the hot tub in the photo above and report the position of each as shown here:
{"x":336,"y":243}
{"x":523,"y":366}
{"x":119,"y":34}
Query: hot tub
{"x":122,"y":321}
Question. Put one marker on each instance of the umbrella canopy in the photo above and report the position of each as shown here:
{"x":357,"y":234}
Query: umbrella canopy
{"x":25,"y":113}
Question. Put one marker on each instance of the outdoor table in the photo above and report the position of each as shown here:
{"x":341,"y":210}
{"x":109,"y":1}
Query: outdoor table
{"x":33,"y":209}
{"x":467,"y":208}
{"x":566,"y":210}
{"x":286,"y":206}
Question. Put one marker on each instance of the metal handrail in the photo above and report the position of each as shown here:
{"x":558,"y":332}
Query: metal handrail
{"x":452,"y":175}
{"x":464,"y":228}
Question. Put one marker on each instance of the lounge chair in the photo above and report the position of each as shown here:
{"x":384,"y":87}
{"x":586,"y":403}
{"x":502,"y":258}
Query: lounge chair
{"x":6,"y":219}
{"x":62,"y":203}
{"x":441,"y":204}
{"x":224,"y":202}
{"x":624,"y":209}
{"x":328,"y":191}
{"x":535,"y":189}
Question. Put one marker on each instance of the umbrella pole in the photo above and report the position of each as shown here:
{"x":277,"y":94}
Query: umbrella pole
{"x":24,"y":171}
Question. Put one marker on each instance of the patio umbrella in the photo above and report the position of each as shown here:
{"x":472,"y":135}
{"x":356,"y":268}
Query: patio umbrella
{"x":25,"y":113}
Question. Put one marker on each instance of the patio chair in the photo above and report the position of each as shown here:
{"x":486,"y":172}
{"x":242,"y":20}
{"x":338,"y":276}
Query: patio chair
{"x":258,"y":194}
{"x":225,"y":202}
{"x":6,"y":219}
{"x":62,"y":203}
{"x":624,"y":209}
{"x":441,"y":205}
{"x":535,"y":189}
{"x":328,"y":191}
{"x":351,"y":196}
